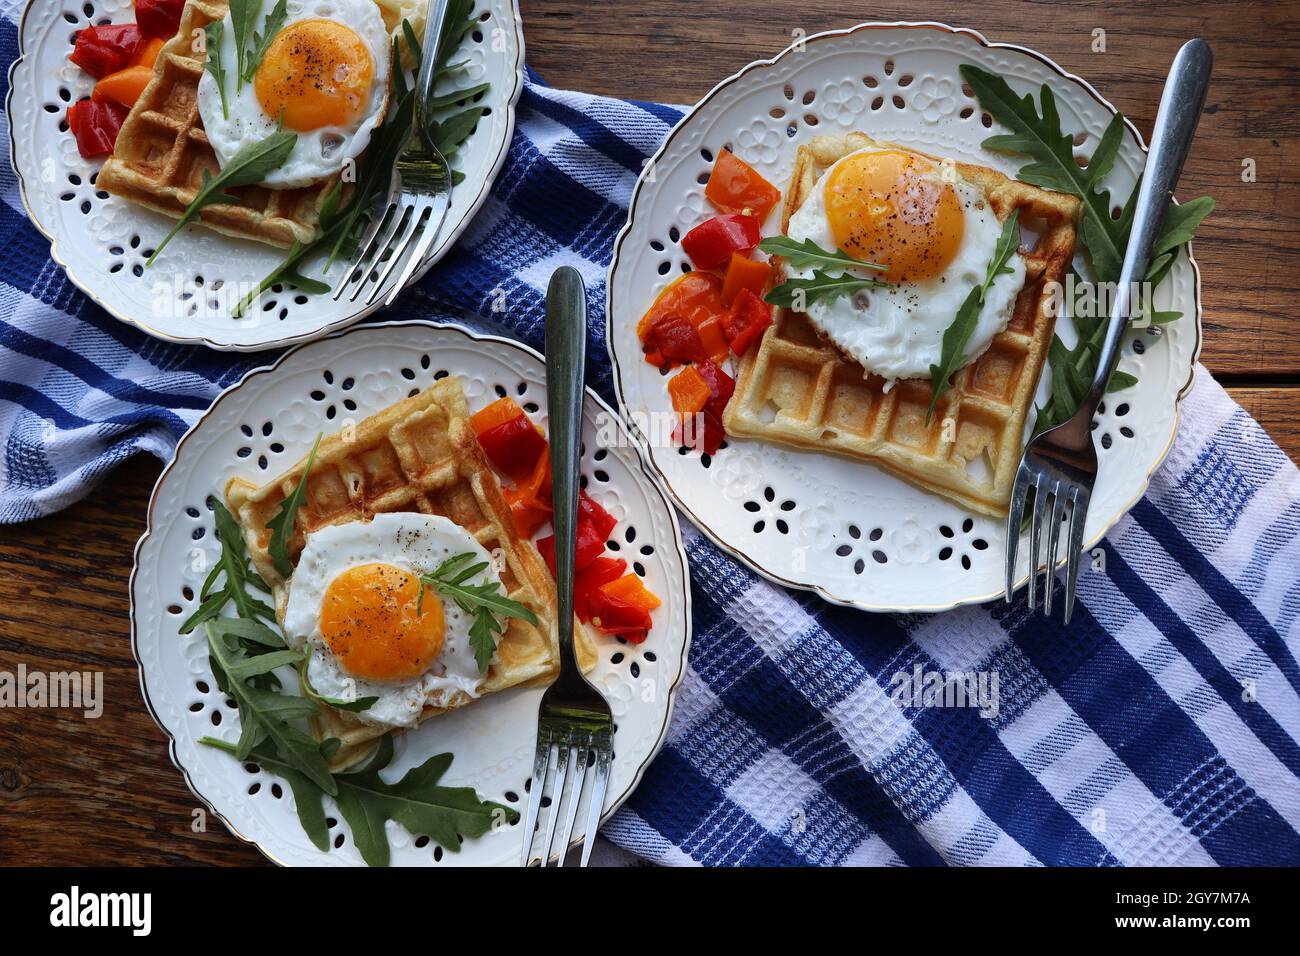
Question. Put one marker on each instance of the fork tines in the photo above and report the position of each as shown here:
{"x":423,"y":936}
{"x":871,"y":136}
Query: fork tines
{"x":568,"y":750}
{"x":1055,"y":500}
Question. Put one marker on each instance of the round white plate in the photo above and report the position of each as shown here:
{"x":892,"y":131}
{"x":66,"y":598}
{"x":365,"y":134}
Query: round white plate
{"x":264,"y":424}
{"x":845,"y":529}
{"x":102,"y":241}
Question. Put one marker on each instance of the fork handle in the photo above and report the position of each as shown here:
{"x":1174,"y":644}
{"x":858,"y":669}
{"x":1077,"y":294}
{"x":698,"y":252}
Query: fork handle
{"x":566,"y":356}
{"x":1171,"y":138}
{"x":435,"y":20}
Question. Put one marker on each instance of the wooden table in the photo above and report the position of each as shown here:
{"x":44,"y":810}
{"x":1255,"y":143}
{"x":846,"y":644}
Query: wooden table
{"x":104,"y":791}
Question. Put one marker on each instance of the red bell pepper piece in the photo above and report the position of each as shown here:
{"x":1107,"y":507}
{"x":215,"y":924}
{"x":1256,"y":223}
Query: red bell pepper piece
{"x":106,"y":49}
{"x":513,"y":446}
{"x":748,"y":319}
{"x":159,"y":18}
{"x":590,"y":579}
{"x":590,"y":545}
{"x":601,"y":519}
{"x":95,"y":126}
{"x":676,"y":341}
{"x":720,"y":383}
{"x":613,"y":615}
{"x":703,"y":432}
{"x":712,"y":242}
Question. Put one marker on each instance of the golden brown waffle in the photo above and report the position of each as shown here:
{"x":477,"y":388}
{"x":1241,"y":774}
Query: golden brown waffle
{"x":798,"y":389}
{"x":161,"y":152}
{"x":418,"y":455}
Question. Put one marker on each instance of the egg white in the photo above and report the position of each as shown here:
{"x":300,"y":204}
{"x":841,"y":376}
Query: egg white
{"x":318,"y":153}
{"x":414,"y":542}
{"x":898,"y":332}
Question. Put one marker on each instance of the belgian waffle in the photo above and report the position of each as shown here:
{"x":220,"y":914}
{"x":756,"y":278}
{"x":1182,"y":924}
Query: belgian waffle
{"x":162,"y":151}
{"x":798,"y":389}
{"x":418,"y":455}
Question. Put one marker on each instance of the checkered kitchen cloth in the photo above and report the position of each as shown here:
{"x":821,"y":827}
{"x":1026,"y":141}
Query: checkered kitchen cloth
{"x":1161,"y":727}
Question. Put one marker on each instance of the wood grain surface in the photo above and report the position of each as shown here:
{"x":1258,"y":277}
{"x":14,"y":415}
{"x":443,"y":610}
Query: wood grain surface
{"x":104,"y":791}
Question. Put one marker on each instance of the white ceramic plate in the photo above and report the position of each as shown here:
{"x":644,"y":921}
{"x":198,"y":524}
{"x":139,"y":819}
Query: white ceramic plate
{"x":102,"y":241}
{"x":264,"y":424}
{"x":844,"y":529}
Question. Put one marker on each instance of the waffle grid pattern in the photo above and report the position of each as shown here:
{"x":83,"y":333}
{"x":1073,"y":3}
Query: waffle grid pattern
{"x":420,"y":454}
{"x":798,"y":389}
{"x":162,"y":151}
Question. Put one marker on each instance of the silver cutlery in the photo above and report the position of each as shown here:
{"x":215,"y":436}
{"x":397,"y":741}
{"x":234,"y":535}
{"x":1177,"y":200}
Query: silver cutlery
{"x":575,"y":727}
{"x":1060,"y":465}
{"x":418,"y":193}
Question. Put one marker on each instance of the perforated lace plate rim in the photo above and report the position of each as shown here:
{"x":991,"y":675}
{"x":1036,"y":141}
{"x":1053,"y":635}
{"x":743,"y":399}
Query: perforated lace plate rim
{"x":304,"y":385}
{"x":102,"y":249}
{"x":867,"y":539}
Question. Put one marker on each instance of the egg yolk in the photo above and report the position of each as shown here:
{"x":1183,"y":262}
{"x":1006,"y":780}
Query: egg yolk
{"x":372,"y":620}
{"x":315,"y":73}
{"x":894,"y":209}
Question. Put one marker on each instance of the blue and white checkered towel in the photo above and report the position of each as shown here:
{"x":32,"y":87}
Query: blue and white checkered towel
{"x":1161,"y":727}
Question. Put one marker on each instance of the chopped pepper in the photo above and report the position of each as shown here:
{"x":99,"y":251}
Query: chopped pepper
{"x":632,"y":589}
{"x":95,"y":126}
{"x":590,"y":545}
{"x":689,"y":391}
{"x":744,"y":273}
{"x":734,"y":186}
{"x":613,"y":615}
{"x":600,"y":572}
{"x":159,"y":18}
{"x":747,"y":321}
{"x":124,"y":86}
{"x":106,"y":49}
{"x":712,"y":242}
{"x":509,"y":438}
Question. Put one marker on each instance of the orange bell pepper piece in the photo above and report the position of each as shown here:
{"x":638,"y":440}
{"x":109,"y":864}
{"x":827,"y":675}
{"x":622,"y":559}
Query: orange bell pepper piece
{"x":695,"y":297}
{"x":632,"y":589}
{"x":736,"y":187}
{"x":744,"y":273}
{"x":124,"y":86}
{"x":689,"y":391}
{"x":147,"y":55}
{"x":498,"y":413}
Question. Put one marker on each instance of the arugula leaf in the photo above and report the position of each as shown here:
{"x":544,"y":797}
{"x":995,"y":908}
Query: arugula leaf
{"x":417,"y":802}
{"x":212,"y":34}
{"x":265,"y":715}
{"x":243,"y":17}
{"x":306,"y":794}
{"x":282,"y":524}
{"x":1120,"y":381}
{"x":261,"y":41}
{"x":233,"y":563}
{"x":485,"y":601}
{"x":1053,"y":154}
{"x":807,"y":253}
{"x":250,"y":165}
{"x":351,"y":706}
{"x":797,"y":293}
{"x":952,"y":356}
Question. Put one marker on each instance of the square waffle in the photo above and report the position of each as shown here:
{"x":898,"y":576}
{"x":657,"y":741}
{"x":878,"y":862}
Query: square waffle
{"x":162,"y":151}
{"x":420,"y":454}
{"x":798,"y":389}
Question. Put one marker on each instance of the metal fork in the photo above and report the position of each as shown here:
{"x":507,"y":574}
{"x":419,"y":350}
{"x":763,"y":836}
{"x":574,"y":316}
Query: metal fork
{"x":1060,"y":465}
{"x":418,"y":193}
{"x":575,"y":720}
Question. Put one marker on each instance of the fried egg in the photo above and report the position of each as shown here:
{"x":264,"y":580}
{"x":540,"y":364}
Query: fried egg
{"x":933,"y":231}
{"x":324,"y":76}
{"x":354,"y":604}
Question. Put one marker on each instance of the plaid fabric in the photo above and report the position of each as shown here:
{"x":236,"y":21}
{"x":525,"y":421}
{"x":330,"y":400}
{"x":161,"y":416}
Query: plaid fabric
{"x":1161,"y":727}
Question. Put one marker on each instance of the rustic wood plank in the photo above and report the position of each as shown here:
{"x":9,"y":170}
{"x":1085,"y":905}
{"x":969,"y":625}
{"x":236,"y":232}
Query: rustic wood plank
{"x":104,"y":791}
{"x":1277,"y":410}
